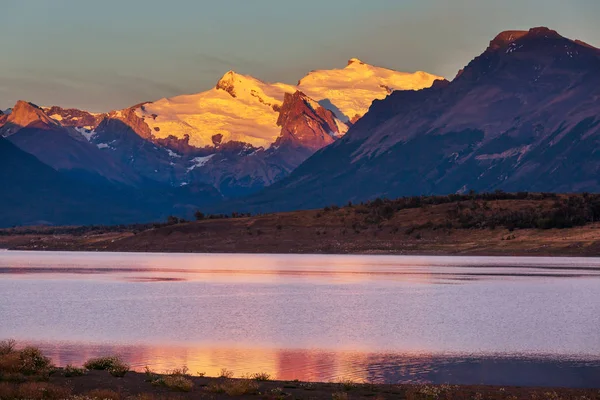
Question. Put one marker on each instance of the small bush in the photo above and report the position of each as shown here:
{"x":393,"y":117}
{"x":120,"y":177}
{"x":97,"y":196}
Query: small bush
{"x":103,"y":363}
{"x":151,"y":376}
{"x":234,"y":387}
{"x":7,"y":346}
{"x":347,"y":384}
{"x":261,"y":376}
{"x":225,"y":373}
{"x":339,"y":396}
{"x":118,"y":370}
{"x":33,"y":361}
{"x":71,"y":370}
{"x":183,"y":371}
{"x":177,"y":382}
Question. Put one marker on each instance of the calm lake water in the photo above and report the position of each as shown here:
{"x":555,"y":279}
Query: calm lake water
{"x":492,"y":320}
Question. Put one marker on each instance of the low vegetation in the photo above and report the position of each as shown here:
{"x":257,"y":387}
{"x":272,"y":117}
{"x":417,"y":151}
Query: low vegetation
{"x":234,"y":387}
{"x":113,"y":364}
{"x":177,"y":379}
{"x":261,"y":376}
{"x":71,"y":371}
{"x":539,"y":210}
{"x":25,"y":364}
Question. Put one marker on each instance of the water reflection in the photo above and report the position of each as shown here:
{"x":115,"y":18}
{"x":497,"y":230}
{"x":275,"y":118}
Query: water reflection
{"x":382,"y":318}
{"x":324,"y":366}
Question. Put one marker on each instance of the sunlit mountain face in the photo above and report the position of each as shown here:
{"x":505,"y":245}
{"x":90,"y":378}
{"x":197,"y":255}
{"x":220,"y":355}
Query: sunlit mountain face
{"x":233,"y":137}
{"x":521,"y":116}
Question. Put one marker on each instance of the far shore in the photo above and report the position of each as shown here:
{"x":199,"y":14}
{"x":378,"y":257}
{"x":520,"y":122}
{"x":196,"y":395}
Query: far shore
{"x":497,"y":224}
{"x":232,"y":237}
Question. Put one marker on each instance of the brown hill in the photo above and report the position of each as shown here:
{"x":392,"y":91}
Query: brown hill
{"x":496,"y":224}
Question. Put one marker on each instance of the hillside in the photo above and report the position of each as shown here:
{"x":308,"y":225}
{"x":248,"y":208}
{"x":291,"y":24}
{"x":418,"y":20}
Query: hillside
{"x":521,"y":116}
{"x":489,"y":224}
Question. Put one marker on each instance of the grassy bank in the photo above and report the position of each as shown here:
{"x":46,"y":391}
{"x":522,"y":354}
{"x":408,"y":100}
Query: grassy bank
{"x":486,"y":224}
{"x":27,"y":374}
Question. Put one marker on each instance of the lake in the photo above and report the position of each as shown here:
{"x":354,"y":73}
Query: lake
{"x":489,"y":320}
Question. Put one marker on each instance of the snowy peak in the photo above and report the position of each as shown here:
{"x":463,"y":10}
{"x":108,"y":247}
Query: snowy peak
{"x":351,"y":90}
{"x":228,"y":81}
{"x":26,"y":114}
{"x":355,"y":61}
{"x":245,"y":109}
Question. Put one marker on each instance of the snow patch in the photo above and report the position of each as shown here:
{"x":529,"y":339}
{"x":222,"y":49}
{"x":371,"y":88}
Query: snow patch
{"x":86,"y":132}
{"x":172,"y":154}
{"x":103,"y":146}
{"x":199,"y":162}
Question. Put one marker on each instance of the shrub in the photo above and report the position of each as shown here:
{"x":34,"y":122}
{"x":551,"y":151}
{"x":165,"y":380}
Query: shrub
{"x":118,"y":370}
{"x":178,"y":382}
{"x":225,"y":373}
{"x":347,"y":384}
{"x":234,"y":387}
{"x":33,"y":362}
{"x":261,"y":376}
{"x":103,"y":363}
{"x":339,"y":396}
{"x":199,"y":215}
{"x":7,"y":346}
{"x":71,"y":370}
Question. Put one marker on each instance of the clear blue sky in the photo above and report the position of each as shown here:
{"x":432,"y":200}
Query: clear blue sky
{"x":110,"y":54}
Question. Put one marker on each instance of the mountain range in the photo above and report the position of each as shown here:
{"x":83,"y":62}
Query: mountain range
{"x":522,"y":116}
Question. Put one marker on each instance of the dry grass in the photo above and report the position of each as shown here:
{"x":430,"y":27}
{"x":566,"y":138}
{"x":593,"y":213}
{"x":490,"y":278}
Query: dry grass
{"x":178,"y":383}
{"x":71,"y":370}
{"x":234,"y":387}
{"x":33,"y":391}
{"x":339,"y":396}
{"x":176,"y":379}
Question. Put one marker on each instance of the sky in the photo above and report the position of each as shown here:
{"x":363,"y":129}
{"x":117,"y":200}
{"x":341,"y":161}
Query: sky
{"x":112,"y":54}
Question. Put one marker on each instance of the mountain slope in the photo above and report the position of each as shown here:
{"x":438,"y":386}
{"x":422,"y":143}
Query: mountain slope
{"x":521,"y":116}
{"x":33,"y":193}
{"x":239,"y":169}
{"x":63,"y":148}
{"x":237,"y":136}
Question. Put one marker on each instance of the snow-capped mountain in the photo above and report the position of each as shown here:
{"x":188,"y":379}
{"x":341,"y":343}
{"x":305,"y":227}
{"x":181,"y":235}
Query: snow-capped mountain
{"x":521,"y":116}
{"x":240,"y":136}
{"x":245,"y":109}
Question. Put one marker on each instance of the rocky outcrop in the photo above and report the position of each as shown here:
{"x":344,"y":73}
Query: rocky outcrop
{"x":304,"y":123}
{"x":75,"y":118}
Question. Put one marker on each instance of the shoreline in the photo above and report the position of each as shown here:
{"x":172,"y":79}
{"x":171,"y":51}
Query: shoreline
{"x":100,"y":384}
{"x":492,"y":225}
